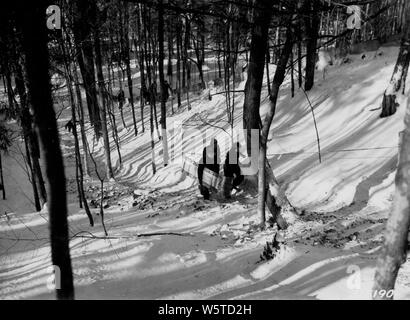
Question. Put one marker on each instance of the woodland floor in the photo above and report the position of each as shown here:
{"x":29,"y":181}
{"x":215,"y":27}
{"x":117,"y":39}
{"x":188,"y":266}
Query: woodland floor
{"x":165,"y":242}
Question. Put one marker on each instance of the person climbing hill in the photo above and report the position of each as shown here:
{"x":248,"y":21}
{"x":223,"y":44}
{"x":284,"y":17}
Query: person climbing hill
{"x":232,"y":171}
{"x":210,"y":160}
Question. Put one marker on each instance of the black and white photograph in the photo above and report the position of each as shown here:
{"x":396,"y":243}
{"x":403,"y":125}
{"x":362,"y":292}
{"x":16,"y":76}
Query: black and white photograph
{"x":187,"y":151}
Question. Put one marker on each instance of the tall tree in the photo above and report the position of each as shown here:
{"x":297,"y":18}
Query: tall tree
{"x":31,"y":28}
{"x":312,"y":25}
{"x":84,"y":11}
{"x":5,"y":143}
{"x":103,"y":102}
{"x":163,"y":87}
{"x":398,"y":79}
{"x":395,"y":247}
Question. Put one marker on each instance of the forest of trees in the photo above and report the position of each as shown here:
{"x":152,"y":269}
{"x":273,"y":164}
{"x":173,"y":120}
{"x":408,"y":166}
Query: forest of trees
{"x":96,"y":47}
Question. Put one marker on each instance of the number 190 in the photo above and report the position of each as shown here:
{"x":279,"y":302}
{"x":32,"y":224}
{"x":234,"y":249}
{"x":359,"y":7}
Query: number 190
{"x":383,"y":294}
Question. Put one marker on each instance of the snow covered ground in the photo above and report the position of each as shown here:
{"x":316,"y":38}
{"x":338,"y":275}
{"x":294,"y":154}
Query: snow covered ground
{"x":181,"y":247}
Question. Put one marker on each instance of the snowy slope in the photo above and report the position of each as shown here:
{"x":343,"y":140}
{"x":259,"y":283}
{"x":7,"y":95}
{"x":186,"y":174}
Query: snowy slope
{"x":186,"y":248}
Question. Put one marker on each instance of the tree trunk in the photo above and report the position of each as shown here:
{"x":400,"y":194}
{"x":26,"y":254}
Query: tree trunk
{"x":312,"y":24}
{"x":398,"y":79}
{"x":81,"y":120}
{"x":31,"y":177}
{"x":3,"y":187}
{"x":79,"y":167}
{"x":32,"y":147}
{"x":251,"y":116}
{"x":179,"y":41}
{"x":162,"y":85}
{"x":253,"y":87}
{"x":277,"y":82}
{"x":141,"y":64}
{"x":30,"y":22}
{"x":395,"y":245}
{"x":126,"y":56}
{"x":103,"y":106}
{"x":84,"y":12}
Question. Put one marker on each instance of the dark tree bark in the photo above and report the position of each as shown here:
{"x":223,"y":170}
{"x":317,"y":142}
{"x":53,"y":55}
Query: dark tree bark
{"x":398,"y":79}
{"x":79,"y":167}
{"x":179,"y":45}
{"x":103,"y":105}
{"x":31,"y":141}
{"x":253,"y":87}
{"x":141,"y":64}
{"x":81,"y":120}
{"x":31,"y":177}
{"x":126,"y":57}
{"x":264,"y":169}
{"x":252,"y":104}
{"x":2,"y":184}
{"x":32,"y":28}
{"x":312,"y":25}
{"x":84,"y":11}
{"x":395,"y":247}
{"x":163,"y":87}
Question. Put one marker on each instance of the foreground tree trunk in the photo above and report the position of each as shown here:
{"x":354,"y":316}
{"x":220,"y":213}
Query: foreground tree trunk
{"x":30,"y":21}
{"x":265,"y":184}
{"x":163,"y":87}
{"x":31,"y":143}
{"x":103,"y":106}
{"x":2,"y":184}
{"x":79,"y":167}
{"x":398,"y":79}
{"x":84,"y":11}
{"x":395,"y":245}
{"x":251,"y":115}
{"x":126,"y":57}
{"x":312,"y":25}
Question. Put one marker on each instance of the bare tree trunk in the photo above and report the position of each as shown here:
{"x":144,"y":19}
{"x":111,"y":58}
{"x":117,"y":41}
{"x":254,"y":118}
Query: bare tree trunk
{"x":126,"y":56}
{"x":163,"y":87}
{"x":103,"y":106}
{"x":30,"y":22}
{"x":395,"y":245}
{"x":31,"y":176}
{"x":253,"y":87}
{"x":154,"y":169}
{"x":84,"y":11}
{"x":179,"y":41}
{"x":312,"y":24}
{"x":141,"y":64}
{"x":32,"y":147}
{"x":81,"y":120}
{"x":277,"y":82}
{"x":3,"y":187}
{"x":79,"y":167}
{"x":398,"y":79}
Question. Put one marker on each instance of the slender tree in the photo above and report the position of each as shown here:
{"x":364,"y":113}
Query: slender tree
{"x":163,"y":87}
{"x":31,"y":27}
{"x":395,"y":247}
{"x":398,"y":79}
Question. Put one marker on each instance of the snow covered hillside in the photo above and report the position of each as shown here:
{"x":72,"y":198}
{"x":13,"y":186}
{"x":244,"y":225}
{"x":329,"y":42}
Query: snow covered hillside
{"x":178,"y":246}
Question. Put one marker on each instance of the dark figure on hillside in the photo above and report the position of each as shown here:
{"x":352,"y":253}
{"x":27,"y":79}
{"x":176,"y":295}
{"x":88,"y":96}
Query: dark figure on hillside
{"x":232,"y":171}
{"x":121,"y":99}
{"x":210,"y":159}
{"x":69,"y":126}
{"x":167,"y":90}
{"x":153,"y":93}
{"x":145,"y":94}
